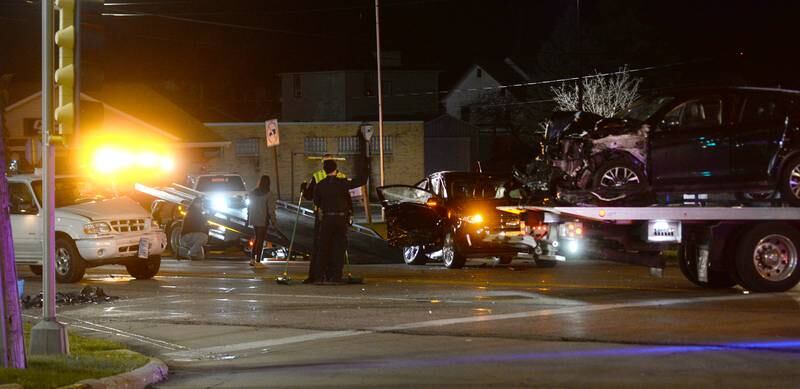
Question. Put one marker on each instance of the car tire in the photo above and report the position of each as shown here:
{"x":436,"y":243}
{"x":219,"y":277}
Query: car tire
{"x":619,"y":173}
{"x":503,"y":260}
{"x":789,"y":185}
{"x":69,"y":265}
{"x":413,"y":255}
{"x":754,"y":197}
{"x":687,"y":262}
{"x":36,"y":269}
{"x":144,"y":269}
{"x":451,"y":256}
{"x":545,"y":263}
{"x":767,"y":258}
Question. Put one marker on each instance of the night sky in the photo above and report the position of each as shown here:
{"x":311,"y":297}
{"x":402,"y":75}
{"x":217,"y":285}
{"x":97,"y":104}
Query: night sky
{"x":245,"y":43}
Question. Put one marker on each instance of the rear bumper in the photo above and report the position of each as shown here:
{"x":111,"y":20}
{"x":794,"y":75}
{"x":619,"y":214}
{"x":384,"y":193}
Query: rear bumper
{"x":496,"y":243}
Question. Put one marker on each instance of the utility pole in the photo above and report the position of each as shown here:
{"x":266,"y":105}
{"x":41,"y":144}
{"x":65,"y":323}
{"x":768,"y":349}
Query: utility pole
{"x":48,"y":336}
{"x":580,"y":54}
{"x":13,"y":341}
{"x":380,"y":91}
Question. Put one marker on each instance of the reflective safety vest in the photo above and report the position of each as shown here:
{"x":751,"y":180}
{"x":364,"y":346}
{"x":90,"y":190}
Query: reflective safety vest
{"x":320,"y":175}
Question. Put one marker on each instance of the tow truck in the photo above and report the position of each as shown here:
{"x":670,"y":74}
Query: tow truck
{"x":717,"y":246}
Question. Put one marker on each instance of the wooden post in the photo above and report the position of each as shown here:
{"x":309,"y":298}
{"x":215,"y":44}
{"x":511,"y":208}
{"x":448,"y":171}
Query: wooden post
{"x":13,"y":342}
{"x":277,"y":176}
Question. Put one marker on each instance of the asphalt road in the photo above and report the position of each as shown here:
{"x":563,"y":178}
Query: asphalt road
{"x":221,"y":324}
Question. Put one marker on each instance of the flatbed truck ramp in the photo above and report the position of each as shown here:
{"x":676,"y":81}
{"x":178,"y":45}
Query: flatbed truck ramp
{"x":718,"y":247}
{"x":230,"y":226}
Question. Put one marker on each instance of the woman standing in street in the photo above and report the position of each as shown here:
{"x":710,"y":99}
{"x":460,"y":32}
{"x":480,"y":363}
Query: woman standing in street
{"x":260,"y":215}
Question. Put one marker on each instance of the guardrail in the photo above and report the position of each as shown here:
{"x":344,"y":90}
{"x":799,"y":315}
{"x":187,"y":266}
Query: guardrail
{"x":310,"y":213}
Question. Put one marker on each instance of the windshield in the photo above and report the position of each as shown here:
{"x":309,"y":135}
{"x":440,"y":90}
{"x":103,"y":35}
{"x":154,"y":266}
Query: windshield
{"x":220,"y":184}
{"x":481,"y":188}
{"x":643,"y":108}
{"x":74,"y":190}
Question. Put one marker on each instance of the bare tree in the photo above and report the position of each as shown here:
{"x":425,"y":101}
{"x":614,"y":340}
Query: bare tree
{"x":10,"y":315}
{"x":603,"y":95}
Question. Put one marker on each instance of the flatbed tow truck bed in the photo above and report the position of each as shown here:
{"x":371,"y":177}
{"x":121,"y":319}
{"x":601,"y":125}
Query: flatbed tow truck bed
{"x":718,"y":247}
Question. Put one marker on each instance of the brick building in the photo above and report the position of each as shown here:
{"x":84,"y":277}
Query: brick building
{"x":301,"y":142}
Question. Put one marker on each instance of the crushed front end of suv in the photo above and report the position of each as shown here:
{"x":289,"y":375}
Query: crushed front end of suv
{"x":745,"y":141}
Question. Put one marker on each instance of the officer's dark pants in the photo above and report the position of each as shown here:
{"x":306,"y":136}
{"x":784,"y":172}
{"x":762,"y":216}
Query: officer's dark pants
{"x":315,"y":271}
{"x":333,"y":242}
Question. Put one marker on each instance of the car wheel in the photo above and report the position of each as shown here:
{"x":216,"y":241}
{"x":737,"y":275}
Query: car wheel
{"x":450,"y":255}
{"x":545,"y":263}
{"x":619,"y":174}
{"x":70,"y":267}
{"x":413,"y":255}
{"x":767,"y":258}
{"x":790,"y":182}
{"x":144,"y":269}
{"x":503,"y":260}
{"x":754,"y":197}
{"x":687,"y":261}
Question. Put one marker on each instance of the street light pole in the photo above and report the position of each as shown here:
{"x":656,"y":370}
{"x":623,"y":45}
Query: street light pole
{"x":380,"y":91}
{"x":48,"y":336}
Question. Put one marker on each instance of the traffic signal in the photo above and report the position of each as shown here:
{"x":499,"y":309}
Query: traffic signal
{"x":65,"y":74}
{"x":80,"y":42}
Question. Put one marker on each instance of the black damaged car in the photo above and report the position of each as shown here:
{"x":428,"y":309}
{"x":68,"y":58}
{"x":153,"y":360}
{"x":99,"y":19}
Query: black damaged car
{"x":739,"y":140}
{"x":450,"y":216}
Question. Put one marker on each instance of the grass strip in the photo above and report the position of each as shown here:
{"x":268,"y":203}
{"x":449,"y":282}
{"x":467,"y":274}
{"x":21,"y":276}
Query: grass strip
{"x":89,"y":358}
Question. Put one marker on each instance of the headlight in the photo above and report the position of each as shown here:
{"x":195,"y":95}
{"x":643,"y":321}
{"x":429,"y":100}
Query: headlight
{"x":247,"y":201}
{"x":473,"y":219}
{"x":573,"y":247}
{"x":219,"y":202}
{"x":154,"y":224}
{"x":97,"y":228}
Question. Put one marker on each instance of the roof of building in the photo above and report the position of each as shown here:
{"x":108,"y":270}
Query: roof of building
{"x":447,"y":126}
{"x":146,"y":105}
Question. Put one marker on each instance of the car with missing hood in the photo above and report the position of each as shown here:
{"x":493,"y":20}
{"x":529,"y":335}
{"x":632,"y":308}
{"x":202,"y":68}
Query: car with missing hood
{"x":451,"y":216}
{"x":93,"y":227}
{"x":736,"y":139}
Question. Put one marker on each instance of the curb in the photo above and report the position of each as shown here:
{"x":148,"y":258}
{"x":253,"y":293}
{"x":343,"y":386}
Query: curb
{"x":153,"y":372}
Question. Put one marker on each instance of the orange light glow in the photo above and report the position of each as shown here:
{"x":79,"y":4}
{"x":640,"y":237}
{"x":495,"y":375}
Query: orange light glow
{"x":126,"y":156}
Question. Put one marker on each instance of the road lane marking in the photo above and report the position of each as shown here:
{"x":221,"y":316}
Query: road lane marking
{"x":214,"y":352}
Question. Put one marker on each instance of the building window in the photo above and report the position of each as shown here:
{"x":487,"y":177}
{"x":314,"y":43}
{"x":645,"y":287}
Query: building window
{"x":248,"y":147}
{"x":349,"y":144}
{"x":368,"y":84}
{"x":388,"y":145}
{"x":386,"y":88}
{"x":315,"y":145}
{"x":297,"y":85}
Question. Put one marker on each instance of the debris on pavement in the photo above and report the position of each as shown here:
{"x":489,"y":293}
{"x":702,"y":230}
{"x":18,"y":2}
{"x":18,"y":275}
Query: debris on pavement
{"x":87,"y":295}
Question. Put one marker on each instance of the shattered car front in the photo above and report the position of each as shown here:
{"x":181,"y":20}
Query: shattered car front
{"x":578,"y":143}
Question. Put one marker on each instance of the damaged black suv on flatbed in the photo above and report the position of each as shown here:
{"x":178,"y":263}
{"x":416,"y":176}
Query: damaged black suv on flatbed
{"x":739,"y":140}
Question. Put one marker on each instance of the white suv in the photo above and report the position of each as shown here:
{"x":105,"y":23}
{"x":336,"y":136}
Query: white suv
{"x":93,"y":228}
{"x":223,"y":191}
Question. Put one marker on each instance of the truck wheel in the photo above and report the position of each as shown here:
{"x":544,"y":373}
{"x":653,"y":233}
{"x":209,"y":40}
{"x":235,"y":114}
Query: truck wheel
{"x":36,"y":269}
{"x":70,"y":267}
{"x":174,"y":235}
{"x":545,"y":263}
{"x":413,"y":255}
{"x":766,"y":260}
{"x":144,"y":269}
{"x":789,"y":185}
{"x":687,"y":261}
{"x":619,"y":174}
{"x":450,"y":254}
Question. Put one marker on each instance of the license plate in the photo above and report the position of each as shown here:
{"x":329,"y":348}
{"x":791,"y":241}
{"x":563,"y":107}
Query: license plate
{"x":144,"y":248}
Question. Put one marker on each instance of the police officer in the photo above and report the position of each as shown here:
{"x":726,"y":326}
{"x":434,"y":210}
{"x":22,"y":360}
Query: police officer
{"x":334,"y":207}
{"x":308,"y":194}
